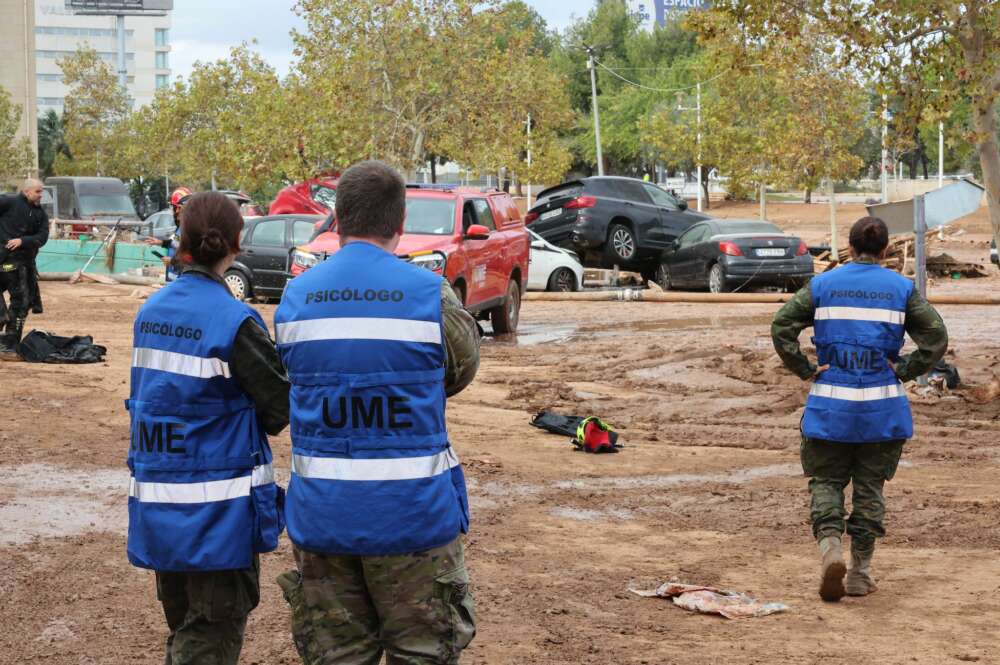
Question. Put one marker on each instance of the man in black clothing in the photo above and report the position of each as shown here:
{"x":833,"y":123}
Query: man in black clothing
{"x":24,"y":228}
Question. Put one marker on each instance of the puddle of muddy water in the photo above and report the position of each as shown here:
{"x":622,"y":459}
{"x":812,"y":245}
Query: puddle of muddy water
{"x":586,"y":515}
{"x":544,"y":333}
{"x":737,"y":477}
{"x":43,"y":501}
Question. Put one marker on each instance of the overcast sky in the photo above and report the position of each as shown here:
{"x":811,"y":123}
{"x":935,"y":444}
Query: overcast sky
{"x":207,"y":30}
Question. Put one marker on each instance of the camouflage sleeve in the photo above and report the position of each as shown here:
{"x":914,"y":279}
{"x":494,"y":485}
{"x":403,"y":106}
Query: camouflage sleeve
{"x":461,"y":338}
{"x":925,"y":327}
{"x":795,"y":316}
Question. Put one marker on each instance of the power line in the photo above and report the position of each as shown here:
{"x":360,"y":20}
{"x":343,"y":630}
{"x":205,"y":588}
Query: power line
{"x":646,"y":87}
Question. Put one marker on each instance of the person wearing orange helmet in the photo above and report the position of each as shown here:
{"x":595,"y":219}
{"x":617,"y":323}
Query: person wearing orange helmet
{"x":180,"y":196}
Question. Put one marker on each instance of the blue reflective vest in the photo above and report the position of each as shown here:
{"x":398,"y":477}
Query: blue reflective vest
{"x":202,"y":494}
{"x":860,"y":312}
{"x":373,"y":472}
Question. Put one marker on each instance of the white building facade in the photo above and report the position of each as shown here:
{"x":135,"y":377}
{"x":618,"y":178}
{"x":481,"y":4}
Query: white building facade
{"x":59,"y":33}
{"x":651,"y":13}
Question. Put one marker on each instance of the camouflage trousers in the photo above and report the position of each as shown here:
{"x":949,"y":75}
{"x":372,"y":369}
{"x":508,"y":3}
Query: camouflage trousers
{"x":207,"y":613}
{"x":348,"y":610}
{"x":831,"y":467}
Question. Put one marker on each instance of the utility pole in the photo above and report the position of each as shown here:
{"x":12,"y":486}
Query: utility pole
{"x":698,"y":106}
{"x":697,"y":109}
{"x":529,"y":160}
{"x":597,"y":117}
{"x":940,"y":154}
{"x":834,"y":242}
{"x":885,"y":149}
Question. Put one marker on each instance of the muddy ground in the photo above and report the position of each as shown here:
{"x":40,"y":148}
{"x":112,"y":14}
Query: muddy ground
{"x":708,"y":490}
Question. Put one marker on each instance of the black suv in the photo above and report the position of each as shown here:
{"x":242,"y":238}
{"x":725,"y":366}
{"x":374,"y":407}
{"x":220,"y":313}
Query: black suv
{"x":611,"y":221}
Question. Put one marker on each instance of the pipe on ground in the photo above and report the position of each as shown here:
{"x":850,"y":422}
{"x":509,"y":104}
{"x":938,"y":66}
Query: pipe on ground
{"x":646,"y":295}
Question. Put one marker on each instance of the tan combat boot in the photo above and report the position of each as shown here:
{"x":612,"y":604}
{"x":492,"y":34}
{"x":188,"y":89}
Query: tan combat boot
{"x":859,"y":580}
{"x":831,"y":586}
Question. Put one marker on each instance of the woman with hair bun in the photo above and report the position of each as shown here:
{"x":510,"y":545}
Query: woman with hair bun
{"x":207,"y":388}
{"x":857,"y":416}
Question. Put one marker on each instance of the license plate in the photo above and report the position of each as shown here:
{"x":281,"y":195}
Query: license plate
{"x":771,"y":251}
{"x":551,"y":213}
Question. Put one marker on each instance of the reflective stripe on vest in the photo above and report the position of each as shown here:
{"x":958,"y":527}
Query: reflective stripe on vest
{"x":202,"y":494}
{"x":206,"y":492}
{"x":367,"y":408}
{"x":860,"y":314}
{"x":869,"y":394}
{"x":395,"y":330}
{"x":398,"y":468}
{"x":859,"y":330}
{"x":179,"y":363}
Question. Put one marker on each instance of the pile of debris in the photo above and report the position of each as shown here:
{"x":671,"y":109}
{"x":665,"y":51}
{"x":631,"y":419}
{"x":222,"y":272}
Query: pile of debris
{"x":900,"y":257}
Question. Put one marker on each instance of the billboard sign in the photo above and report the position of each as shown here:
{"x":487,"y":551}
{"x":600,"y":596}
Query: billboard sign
{"x":120,"y":7}
{"x":657,"y":12}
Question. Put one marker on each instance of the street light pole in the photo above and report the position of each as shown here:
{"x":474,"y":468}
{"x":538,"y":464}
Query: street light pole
{"x":940,"y":154}
{"x":885,"y":150}
{"x":597,"y":117}
{"x":529,"y":160}
{"x":697,"y":110}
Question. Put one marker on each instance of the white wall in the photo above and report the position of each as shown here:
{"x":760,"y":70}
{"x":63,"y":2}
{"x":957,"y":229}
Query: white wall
{"x":59,"y":33}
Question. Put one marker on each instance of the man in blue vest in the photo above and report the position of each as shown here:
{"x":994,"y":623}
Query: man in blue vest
{"x":857,"y":416}
{"x":377,"y":502}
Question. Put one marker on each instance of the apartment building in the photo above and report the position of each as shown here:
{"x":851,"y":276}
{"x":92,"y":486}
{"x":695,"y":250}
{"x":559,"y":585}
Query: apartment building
{"x":58,"y":33}
{"x":17,"y":64}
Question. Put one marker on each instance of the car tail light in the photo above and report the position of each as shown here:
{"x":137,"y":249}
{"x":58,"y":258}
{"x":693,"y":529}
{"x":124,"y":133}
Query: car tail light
{"x":730,"y":248}
{"x":530,"y":217}
{"x":581,"y":202}
{"x":802,"y":250}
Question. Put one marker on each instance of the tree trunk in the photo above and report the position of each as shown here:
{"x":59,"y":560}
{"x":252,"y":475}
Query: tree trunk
{"x":417,"y":155}
{"x":984,"y":122}
{"x":704,"y":187}
{"x":809,"y":195}
{"x":984,"y":109}
{"x":434,"y":174}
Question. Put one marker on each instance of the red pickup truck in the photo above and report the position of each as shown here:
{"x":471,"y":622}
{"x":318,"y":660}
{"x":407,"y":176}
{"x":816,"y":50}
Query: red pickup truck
{"x":474,"y":238}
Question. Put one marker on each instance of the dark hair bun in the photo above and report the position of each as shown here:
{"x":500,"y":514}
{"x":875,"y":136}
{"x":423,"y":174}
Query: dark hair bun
{"x":210,"y":228}
{"x":214,"y":245}
{"x":869,"y":236}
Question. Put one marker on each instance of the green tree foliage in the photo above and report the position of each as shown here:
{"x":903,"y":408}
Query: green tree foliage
{"x":403,"y":80}
{"x":778,"y":112}
{"x":15,"y":153}
{"x":51,"y":142}
{"x":95,"y":117}
{"x":653,"y":59}
{"x":928,"y":54}
{"x":230,"y":121}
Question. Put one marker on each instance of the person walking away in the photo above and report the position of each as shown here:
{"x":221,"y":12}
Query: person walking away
{"x":24,"y":229}
{"x":377,"y":500}
{"x":207,"y":387}
{"x":857,"y":416}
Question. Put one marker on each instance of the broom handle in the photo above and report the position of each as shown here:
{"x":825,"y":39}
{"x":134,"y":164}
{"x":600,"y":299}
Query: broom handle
{"x":100,"y":247}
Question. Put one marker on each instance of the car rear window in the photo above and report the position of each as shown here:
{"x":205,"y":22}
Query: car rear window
{"x":749,"y":227}
{"x":570,"y":190}
{"x":434,"y":217}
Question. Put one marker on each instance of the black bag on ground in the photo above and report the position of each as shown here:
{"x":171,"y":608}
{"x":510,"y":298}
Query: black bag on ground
{"x":567,"y":425}
{"x":42,"y":347}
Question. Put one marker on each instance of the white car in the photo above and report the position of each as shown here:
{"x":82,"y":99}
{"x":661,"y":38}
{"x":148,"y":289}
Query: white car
{"x":553,"y":268}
